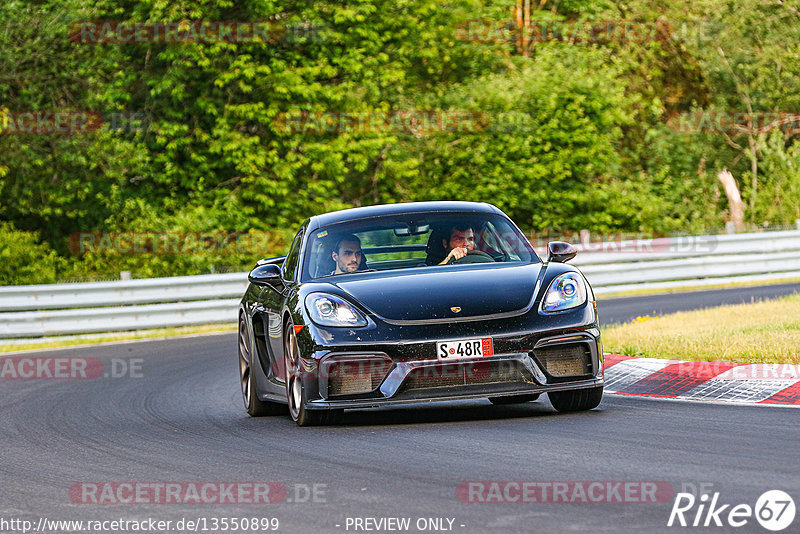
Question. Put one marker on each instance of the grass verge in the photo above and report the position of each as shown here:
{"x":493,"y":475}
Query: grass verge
{"x":761,"y":332}
{"x":111,"y":337}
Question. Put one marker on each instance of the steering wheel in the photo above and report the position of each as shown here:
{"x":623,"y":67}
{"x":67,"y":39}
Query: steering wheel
{"x":474,"y":256}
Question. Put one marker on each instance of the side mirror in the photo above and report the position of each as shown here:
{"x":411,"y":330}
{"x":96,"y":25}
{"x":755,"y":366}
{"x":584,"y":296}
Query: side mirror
{"x":267,"y":274}
{"x":560,"y":252}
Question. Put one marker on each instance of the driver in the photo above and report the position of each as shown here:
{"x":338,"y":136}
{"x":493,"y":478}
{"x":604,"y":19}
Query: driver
{"x":461,"y":241}
{"x":348,"y":255}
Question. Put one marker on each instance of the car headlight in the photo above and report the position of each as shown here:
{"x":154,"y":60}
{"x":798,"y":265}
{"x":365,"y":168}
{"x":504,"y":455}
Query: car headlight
{"x":566,"y":291}
{"x":330,"y":310}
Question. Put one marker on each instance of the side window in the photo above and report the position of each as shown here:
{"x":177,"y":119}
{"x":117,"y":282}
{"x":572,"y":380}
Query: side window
{"x":290,"y":264}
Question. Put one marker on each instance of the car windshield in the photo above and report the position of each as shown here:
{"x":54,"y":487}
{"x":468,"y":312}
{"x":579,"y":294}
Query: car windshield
{"x":414,"y":240}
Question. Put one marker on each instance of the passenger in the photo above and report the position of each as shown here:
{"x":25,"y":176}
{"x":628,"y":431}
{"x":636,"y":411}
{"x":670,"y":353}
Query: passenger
{"x":347,"y":255}
{"x":460,"y":242}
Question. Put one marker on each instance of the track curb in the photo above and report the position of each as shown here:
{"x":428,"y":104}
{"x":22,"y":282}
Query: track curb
{"x":729,"y":382}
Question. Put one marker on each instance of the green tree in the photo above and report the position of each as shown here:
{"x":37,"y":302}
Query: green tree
{"x":24,"y":260}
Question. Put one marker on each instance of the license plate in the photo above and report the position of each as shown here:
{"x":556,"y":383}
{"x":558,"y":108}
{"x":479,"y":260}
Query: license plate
{"x":467,"y":348}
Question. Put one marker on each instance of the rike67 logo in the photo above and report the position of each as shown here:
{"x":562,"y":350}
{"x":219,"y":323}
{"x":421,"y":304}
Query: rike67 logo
{"x":774,"y":510}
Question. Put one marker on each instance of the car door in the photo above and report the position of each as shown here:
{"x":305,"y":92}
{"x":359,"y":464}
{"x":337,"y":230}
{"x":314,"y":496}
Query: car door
{"x":274,"y":302}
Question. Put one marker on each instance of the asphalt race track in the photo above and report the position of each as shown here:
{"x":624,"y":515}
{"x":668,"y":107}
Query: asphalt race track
{"x":621,"y":310}
{"x":179,"y":418}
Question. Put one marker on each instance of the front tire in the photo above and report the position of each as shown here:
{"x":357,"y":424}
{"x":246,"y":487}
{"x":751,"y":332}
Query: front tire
{"x":578,"y":400}
{"x":247,"y":378}
{"x":295,"y":391}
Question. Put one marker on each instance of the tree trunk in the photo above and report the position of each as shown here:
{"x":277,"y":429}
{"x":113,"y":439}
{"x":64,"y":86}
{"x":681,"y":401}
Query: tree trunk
{"x":734,"y":198}
{"x":753,"y":155}
{"x":526,"y":29}
{"x":521,"y":28}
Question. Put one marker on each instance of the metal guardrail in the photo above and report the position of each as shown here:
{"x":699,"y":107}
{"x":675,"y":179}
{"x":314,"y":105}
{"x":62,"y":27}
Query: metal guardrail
{"x":117,"y":318}
{"x":116,"y":293}
{"x":690,"y":261}
{"x":693,"y":261}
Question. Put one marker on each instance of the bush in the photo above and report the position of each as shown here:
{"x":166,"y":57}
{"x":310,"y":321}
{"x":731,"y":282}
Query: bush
{"x":23,"y":259}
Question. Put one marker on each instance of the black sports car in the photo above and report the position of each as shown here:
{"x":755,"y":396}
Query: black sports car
{"x":416,"y":302}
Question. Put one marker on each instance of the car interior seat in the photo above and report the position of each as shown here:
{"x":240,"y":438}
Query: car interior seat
{"x":434,"y":250}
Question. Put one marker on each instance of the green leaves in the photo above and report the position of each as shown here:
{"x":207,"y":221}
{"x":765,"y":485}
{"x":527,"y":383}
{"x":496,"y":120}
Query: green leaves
{"x":572,"y":137}
{"x":23,"y":259}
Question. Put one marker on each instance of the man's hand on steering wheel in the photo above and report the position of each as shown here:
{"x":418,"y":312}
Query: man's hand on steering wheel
{"x":456,"y":254}
{"x":475,"y":256}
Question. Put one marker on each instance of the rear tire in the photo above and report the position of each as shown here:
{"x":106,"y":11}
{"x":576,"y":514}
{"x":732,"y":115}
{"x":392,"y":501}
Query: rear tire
{"x":295,"y":391}
{"x":578,"y":400}
{"x":513,"y":399}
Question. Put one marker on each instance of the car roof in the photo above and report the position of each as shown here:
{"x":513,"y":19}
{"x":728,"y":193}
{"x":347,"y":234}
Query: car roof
{"x":399,"y":208}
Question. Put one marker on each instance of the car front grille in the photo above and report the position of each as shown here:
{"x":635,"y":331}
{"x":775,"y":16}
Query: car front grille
{"x":565,"y":360}
{"x":447,"y":375}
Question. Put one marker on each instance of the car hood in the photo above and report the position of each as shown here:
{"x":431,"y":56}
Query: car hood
{"x":446,"y":293}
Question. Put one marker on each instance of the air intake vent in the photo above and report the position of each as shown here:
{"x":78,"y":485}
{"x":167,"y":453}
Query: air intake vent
{"x":355,"y":376}
{"x":566,"y":360}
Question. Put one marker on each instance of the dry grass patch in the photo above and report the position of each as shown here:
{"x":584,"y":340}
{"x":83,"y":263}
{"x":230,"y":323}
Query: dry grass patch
{"x":761,"y":332}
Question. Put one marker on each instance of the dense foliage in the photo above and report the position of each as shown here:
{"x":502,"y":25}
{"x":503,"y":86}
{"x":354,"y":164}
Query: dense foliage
{"x":570,"y":133}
